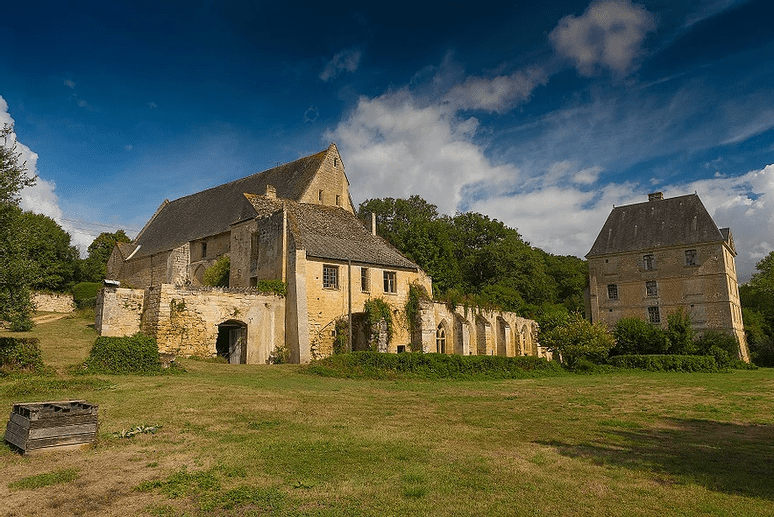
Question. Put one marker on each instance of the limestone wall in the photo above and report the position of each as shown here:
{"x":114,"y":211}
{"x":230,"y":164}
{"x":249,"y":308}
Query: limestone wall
{"x":185,"y":320}
{"x":119,"y":311}
{"x":53,"y":302}
{"x":472,"y":331}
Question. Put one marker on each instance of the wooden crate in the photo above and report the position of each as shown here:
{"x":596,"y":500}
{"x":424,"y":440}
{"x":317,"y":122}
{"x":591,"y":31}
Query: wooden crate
{"x":39,"y":426}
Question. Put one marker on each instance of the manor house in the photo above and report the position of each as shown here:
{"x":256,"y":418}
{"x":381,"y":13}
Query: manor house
{"x":294,"y":223}
{"x":652,"y":258}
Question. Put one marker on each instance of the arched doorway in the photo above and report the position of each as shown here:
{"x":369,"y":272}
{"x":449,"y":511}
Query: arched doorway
{"x":232,"y":341}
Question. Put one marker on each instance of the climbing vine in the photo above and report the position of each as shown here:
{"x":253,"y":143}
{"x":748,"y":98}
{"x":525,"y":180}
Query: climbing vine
{"x":341,"y":342}
{"x":376,"y":311}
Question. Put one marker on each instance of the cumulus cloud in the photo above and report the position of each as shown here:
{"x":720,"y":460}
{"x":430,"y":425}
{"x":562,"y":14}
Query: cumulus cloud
{"x":609,"y":34}
{"x":346,"y":60}
{"x":498,"y":94}
{"x":41,"y":198}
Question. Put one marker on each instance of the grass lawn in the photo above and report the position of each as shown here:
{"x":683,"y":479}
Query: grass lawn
{"x":269,"y":440}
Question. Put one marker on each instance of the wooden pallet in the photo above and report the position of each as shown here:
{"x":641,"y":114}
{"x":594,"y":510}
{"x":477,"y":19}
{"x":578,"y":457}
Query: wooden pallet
{"x":43,"y":426}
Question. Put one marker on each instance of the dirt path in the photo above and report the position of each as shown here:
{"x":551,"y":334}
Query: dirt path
{"x":48,"y":318}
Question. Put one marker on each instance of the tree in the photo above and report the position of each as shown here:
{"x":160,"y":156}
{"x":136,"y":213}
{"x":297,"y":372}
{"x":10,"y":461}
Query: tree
{"x":16,"y":271}
{"x":574,"y":337}
{"x":757,"y":298}
{"x":217,"y":275}
{"x":94,"y":267}
{"x":48,"y":246}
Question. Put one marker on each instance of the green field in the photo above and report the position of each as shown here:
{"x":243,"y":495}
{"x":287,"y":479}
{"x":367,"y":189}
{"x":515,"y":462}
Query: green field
{"x":270,"y":440}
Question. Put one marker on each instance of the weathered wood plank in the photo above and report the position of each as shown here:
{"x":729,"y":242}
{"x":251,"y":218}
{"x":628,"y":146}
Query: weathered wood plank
{"x":60,"y":440}
{"x":16,"y":435}
{"x":67,"y":430}
{"x":53,"y":421}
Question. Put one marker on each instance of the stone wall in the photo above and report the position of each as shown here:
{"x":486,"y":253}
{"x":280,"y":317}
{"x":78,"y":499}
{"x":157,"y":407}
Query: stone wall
{"x":53,"y":302}
{"x":472,"y":331}
{"x":119,"y":311}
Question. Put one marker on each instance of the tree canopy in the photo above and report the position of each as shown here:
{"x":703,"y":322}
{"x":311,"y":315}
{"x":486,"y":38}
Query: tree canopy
{"x":94,"y":267}
{"x":471,"y":254}
{"x":757,"y":298}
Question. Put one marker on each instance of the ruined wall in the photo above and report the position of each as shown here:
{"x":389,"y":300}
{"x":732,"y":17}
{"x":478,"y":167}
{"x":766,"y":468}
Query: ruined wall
{"x":472,"y":331}
{"x":118,"y":311}
{"x":184,"y":320}
{"x":240,"y":252}
{"x":53,"y":302}
{"x":202,"y":254}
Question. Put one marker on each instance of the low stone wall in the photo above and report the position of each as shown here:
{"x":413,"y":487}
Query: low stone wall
{"x":53,"y":302}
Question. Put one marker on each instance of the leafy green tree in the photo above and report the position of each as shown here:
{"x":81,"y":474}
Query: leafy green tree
{"x":680,"y":333}
{"x":757,"y":298}
{"x":48,"y":246}
{"x":576,"y":338}
{"x":94,"y":267}
{"x":17,"y":272}
{"x":636,"y":336}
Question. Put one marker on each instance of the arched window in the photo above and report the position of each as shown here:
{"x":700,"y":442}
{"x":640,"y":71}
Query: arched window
{"x":440,"y":339}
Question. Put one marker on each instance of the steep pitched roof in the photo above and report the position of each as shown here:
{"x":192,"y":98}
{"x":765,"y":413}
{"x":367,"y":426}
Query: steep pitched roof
{"x":675,"y":221}
{"x":212,"y":211}
{"x":330,"y":232}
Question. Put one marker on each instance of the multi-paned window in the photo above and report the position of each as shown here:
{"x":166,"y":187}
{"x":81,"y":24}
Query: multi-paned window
{"x":653,"y":315}
{"x":651,"y":288}
{"x":330,"y":277}
{"x":691,"y":258}
{"x":365,"y":284}
{"x":612,"y":292}
{"x":390,"y":282}
{"x":649,"y":261}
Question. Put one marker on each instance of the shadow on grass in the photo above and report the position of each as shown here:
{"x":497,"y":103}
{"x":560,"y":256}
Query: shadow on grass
{"x":724,"y":457}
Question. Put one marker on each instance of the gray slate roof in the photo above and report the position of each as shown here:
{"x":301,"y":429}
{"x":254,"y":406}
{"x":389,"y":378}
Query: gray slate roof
{"x":676,"y":221}
{"x":212,"y":211}
{"x":330,"y":232}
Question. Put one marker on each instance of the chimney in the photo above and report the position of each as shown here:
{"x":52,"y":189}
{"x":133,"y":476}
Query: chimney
{"x":373,"y":223}
{"x":656,"y":196}
{"x":271,"y":192}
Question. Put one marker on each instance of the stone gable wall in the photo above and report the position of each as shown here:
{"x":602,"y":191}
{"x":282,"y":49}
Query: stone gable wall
{"x":119,"y":311}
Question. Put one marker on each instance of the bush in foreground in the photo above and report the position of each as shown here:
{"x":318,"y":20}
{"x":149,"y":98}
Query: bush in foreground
{"x":374,"y":365}
{"x":138,"y":354}
{"x":20,"y":355}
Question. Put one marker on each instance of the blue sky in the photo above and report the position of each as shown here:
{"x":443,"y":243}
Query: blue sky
{"x":542,"y":115}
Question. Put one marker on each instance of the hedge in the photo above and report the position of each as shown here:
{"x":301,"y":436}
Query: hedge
{"x":120,"y":355}
{"x":85,"y":294}
{"x":666,"y":363}
{"x":433,"y":366}
{"x":20,"y":354}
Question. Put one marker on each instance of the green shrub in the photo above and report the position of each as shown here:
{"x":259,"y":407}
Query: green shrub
{"x":217,"y":275}
{"x":717,"y":339}
{"x":277,"y":287}
{"x":666,"y":363}
{"x":637,"y":336}
{"x":121,"y":355}
{"x":376,"y":365}
{"x":577,"y":337}
{"x":680,"y":333}
{"x":20,"y":354}
{"x":85,"y":294}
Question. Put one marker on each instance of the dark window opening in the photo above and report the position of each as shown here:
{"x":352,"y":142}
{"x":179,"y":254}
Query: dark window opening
{"x":649,"y":262}
{"x":440,"y":339}
{"x":653,"y":315}
{"x":651,"y":288}
{"x":204,"y":250}
{"x":612,"y":292}
{"x":390,"y":281}
{"x":401,"y":349}
{"x":365,"y":285}
{"x":690,"y":257}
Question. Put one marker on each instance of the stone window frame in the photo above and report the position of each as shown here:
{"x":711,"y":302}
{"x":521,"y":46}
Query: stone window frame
{"x":651,"y":288}
{"x":365,"y":280}
{"x":330,"y":276}
{"x":204,"y":249}
{"x":440,"y":339}
{"x":649,"y":262}
{"x":390,"y":282}
{"x":654,"y":315}
{"x":612,"y":291}
{"x":691,"y":257}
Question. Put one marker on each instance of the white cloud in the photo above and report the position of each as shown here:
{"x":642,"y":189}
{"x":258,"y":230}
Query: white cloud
{"x":609,"y":34}
{"x":41,"y":197}
{"x":346,"y":60}
{"x":69,"y":83}
{"x":499,"y":94}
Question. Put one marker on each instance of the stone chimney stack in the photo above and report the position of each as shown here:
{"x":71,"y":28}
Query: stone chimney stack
{"x":271,"y":192}
{"x":656,"y":196}
{"x":373,"y":223}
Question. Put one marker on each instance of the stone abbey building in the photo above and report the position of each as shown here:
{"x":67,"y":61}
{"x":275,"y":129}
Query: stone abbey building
{"x":654,"y":257}
{"x":294,"y":223}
